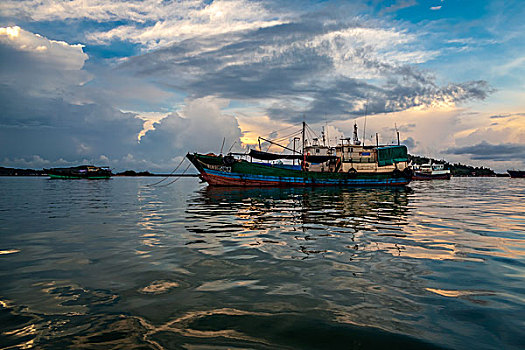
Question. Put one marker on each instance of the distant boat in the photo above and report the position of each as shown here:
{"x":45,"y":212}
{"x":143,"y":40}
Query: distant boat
{"x":431,"y":172}
{"x":348,"y":164}
{"x":80,"y":172}
{"x":516,"y":173}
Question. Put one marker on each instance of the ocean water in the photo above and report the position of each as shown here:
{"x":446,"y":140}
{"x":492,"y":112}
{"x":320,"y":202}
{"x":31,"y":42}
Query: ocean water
{"x":120,"y":264}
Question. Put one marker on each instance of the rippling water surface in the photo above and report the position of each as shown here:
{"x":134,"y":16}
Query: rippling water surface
{"x":117,"y":264}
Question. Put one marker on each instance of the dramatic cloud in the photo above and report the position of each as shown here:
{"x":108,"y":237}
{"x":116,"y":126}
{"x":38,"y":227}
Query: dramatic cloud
{"x":49,"y":126}
{"x":55,"y":132}
{"x":199,"y":127}
{"x":487,"y":151}
{"x":151,"y":23}
{"x":51,"y":52}
{"x":49,"y":118}
{"x":307,"y":67}
{"x":191,"y":20}
{"x":35,"y":64}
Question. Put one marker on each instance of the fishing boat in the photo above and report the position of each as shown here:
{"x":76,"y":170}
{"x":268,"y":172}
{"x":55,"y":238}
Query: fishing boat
{"x":350,"y":163}
{"x":516,"y":173}
{"x":80,"y":172}
{"x":431,"y":172}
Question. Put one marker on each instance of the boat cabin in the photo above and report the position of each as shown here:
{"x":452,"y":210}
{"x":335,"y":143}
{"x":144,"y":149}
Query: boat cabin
{"x":352,"y":156}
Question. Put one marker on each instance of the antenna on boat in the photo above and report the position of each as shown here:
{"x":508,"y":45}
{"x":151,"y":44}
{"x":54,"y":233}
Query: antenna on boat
{"x":223,"y":140}
{"x":364,"y":128}
{"x":304,"y":141}
{"x":397,"y":133}
{"x":232,"y":146}
{"x":326,"y":131}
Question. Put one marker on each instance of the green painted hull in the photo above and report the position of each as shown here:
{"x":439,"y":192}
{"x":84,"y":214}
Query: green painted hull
{"x":216,"y":171}
{"x":89,"y":172}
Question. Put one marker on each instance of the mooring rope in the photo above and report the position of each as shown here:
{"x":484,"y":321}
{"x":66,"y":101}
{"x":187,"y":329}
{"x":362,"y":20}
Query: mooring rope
{"x":174,"y":170}
{"x":177,"y":178}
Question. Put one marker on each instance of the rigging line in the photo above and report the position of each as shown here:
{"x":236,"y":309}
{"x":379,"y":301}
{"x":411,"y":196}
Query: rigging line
{"x":174,"y":170}
{"x":287,"y":140}
{"x":364,"y":128}
{"x":287,"y":136}
{"x":292,"y":133}
{"x":231,"y":147}
{"x":278,"y":141}
{"x":312,"y":130}
{"x":311,"y":135}
{"x":224,"y":139}
{"x":288,"y":127}
{"x":177,"y":178}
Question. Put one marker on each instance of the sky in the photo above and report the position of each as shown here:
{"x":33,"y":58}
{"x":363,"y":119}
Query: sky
{"x":138,"y":84}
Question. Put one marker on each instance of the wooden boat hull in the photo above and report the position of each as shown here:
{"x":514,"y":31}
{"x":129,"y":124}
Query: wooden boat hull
{"x":218,"y":172}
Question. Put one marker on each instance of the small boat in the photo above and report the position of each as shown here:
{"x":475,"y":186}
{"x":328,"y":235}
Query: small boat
{"x":80,"y":172}
{"x":431,"y":172}
{"x":516,"y":173}
{"x":348,"y":164}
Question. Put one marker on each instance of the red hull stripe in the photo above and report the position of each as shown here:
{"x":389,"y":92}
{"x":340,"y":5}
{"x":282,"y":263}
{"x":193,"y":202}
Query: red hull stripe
{"x":220,"y":180}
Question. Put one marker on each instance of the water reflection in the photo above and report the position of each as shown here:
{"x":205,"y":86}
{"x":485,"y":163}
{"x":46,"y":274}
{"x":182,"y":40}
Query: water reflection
{"x":301,"y":221}
{"x":302,"y":250}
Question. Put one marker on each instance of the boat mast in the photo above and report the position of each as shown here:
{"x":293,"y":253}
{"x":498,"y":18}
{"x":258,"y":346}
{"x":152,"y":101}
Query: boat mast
{"x":364,"y":128}
{"x":304,"y":141}
{"x":356,"y":138}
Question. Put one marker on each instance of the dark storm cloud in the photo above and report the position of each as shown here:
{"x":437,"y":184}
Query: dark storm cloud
{"x":42,"y":131}
{"x":487,"y":151}
{"x":208,"y":73}
{"x":282,"y":63}
{"x":343,"y":99}
{"x":51,"y":126}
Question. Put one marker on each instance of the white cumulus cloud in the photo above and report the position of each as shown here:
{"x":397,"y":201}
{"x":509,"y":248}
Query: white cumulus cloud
{"x":35,"y":64}
{"x":57,"y":54}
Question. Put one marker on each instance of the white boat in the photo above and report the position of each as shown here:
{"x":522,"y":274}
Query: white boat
{"x":431,"y":172}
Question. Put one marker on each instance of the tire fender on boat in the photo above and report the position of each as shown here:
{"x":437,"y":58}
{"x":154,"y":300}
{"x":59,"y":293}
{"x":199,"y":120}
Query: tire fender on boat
{"x":228,"y":160}
{"x":408,"y":173}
